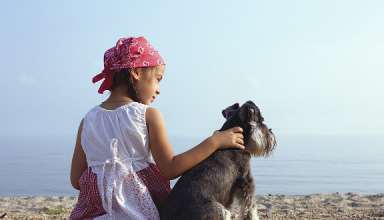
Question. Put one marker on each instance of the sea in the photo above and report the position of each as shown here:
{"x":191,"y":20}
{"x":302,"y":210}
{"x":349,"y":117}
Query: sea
{"x":300,"y":164}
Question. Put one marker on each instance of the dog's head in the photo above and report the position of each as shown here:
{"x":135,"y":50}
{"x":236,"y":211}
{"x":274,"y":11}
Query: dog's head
{"x":258,"y":139}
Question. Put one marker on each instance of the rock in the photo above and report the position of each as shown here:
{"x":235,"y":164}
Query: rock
{"x":354,"y":204}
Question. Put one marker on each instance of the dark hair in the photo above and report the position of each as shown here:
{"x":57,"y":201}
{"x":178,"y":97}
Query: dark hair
{"x":123,"y":77}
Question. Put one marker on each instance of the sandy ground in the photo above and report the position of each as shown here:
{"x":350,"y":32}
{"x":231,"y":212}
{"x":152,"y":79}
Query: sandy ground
{"x":315,"y":206}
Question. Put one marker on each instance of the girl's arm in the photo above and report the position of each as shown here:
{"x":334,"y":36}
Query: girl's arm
{"x":173,"y":166}
{"x":79,"y":161}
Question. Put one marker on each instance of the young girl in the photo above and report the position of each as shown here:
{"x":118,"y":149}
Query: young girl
{"x":123,"y":161}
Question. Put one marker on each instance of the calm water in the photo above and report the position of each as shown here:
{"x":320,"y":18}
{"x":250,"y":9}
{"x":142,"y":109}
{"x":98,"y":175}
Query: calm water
{"x":300,"y":165}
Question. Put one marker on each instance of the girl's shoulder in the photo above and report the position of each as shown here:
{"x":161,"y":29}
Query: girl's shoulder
{"x":153,"y":116}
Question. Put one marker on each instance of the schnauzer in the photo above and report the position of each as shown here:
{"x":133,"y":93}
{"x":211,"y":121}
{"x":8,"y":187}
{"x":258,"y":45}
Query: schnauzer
{"x":222,"y":187}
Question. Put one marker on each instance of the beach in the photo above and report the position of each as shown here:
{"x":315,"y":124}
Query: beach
{"x":271,"y":206}
{"x":285,"y":184}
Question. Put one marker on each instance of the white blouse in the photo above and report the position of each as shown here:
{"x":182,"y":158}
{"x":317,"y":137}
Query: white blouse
{"x":115,"y":143}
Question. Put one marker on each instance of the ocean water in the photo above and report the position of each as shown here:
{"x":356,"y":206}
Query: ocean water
{"x":300,"y":165}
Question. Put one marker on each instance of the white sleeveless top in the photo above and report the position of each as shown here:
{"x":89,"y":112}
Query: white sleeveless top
{"x":115,"y":143}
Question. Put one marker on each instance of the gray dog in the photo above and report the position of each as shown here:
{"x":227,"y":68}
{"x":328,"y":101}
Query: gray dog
{"x":222,"y":187}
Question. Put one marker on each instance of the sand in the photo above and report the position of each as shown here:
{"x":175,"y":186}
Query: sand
{"x":314,"y":206}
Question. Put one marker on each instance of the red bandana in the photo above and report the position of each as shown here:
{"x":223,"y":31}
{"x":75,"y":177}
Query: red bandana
{"x":131,"y":52}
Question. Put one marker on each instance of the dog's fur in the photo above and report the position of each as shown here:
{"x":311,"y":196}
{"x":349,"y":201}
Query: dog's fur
{"x":222,"y":187}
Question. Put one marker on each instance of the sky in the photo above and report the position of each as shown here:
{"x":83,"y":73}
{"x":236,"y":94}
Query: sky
{"x":313,"y":67}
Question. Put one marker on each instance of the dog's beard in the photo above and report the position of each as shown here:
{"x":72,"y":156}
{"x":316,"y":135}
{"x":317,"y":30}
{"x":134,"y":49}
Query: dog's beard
{"x":262,"y":141}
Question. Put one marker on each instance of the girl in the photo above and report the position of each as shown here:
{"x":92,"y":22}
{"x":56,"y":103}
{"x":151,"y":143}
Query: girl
{"x":123,"y":161}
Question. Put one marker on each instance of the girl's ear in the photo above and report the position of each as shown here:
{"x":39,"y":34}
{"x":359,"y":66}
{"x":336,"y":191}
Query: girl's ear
{"x":135,"y":74}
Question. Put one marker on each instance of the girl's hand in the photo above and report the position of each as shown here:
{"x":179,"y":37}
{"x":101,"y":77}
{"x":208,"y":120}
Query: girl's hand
{"x":229,"y":138}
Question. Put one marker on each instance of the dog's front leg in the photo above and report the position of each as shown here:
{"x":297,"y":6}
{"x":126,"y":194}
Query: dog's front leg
{"x":252,"y":212}
{"x":243,"y":198}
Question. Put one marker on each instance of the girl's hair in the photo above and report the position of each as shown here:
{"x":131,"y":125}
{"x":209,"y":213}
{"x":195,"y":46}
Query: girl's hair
{"x":123,"y":77}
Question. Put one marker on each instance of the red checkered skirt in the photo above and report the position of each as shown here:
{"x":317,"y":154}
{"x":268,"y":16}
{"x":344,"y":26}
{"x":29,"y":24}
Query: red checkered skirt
{"x":89,"y":203}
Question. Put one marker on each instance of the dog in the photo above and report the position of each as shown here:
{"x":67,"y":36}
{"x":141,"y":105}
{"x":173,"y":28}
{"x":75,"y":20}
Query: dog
{"x":222,"y":187}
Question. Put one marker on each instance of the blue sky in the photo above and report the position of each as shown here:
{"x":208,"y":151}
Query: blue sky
{"x":313,"y":67}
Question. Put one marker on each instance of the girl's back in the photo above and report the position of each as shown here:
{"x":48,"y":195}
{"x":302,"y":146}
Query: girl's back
{"x":116,"y":144}
{"x":126,"y":124}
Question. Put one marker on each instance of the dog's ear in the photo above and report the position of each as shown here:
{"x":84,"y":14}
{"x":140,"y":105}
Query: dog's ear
{"x":229,"y":111}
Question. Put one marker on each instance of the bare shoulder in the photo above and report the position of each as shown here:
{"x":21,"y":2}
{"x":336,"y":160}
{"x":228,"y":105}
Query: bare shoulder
{"x":153,"y":115}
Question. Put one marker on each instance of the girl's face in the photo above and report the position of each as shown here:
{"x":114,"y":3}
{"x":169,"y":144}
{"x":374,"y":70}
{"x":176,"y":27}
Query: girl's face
{"x":147,"y":84}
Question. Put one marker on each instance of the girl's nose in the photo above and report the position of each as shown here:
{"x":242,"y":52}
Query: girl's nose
{"x":158,"y":92}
